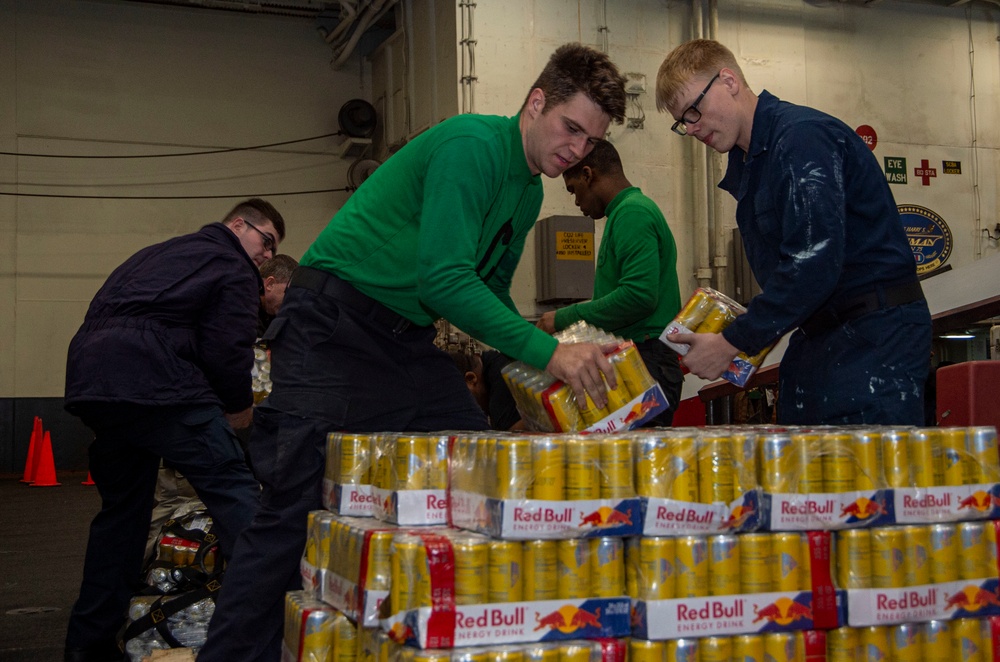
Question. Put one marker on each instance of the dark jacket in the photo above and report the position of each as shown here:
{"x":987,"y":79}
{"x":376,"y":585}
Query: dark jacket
{"x":173,"y":325}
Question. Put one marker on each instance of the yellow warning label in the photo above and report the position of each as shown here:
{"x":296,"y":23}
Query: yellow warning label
{"x":575,"y":246}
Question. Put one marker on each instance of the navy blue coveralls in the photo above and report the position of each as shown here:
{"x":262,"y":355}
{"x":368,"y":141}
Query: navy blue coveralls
{"x":165,"y":348}
{"x":826,"y":244}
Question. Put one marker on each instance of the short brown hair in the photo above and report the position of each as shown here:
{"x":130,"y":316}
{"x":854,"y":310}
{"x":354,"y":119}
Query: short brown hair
{"x":577,"y":68}
{"x":258,"y":210}
{"x":698,"y":57}
{"x":279,"y":266}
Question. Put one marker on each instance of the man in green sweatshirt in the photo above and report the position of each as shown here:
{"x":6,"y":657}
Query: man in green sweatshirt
{"x":435,"y":232}
{"x":635,"y":285}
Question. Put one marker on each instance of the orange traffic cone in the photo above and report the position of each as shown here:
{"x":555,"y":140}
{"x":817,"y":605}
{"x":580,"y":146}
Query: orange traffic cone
{"x":45,"y":467}
{"x":89,"y":481}
{"x":33,"y":447}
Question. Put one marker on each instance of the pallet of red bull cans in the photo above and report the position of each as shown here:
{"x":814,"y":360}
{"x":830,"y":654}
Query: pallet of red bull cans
{"x":410,"y":478}
{"x":840,"y":477}
{"x":799,"y":646}
{"x":316,"y":632}
{"x":753,"y":583}
{"x":916,"y":573}
{"x":457,"y":588}
{"x":347,"y":478}
{"x":697,"y":481}
{"x":711,"y":311}
{"x":519,"y":487}
{"x":605,"y":650}
{"x":547,"y":404}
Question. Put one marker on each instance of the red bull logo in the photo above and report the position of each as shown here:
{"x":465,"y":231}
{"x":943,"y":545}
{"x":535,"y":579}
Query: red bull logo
{"x":359,"y":498}
{"x":738,"y":516}
{"x":641,"y":408}
{"x":548,"y":515}
{"x":492,"y":618}
{"x":714,"y":610}
{"x":400,"y":632}
{"x":568,"y":619}
{"x":978,"y":500}
{"x":606,"y":516}
{"x":863,"y":508}
{"x":809,"y":507}
{"x":783,"y":611}
{"x":927,"y":501}
{"x":436,"y":502}
{"x":685,"y":515}
{"x":972,"y":599}
{"x":908,"y":600}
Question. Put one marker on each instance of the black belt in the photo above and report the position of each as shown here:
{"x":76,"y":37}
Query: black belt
{"x":333,"y":286}
{"x":878,"y":298}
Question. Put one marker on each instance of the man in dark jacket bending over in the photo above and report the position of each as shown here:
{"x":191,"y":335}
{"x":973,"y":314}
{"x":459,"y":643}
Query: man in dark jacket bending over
{"x":161,"y":368}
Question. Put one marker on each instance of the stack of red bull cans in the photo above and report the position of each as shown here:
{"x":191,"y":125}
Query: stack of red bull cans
{"x":316,"y":632}
{"x":347,"y":478}
{"x":711,"y":311}
{"x":546,"y":404}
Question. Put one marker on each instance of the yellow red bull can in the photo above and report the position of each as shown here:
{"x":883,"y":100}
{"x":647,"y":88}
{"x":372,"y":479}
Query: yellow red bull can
{"x":616,"y":467}
{"x":607,"y":567}
{"x":716,"y":469}
{"x":838,"y":464}
{"x":472,"y":554}
{"x":982,"y":444}
{"x":583,"y":469}
{"x":807,"y":445}
{"x":781,"y":647}
{"x":925,"y":463}
{"x":957,"y":462}
{"x":778,"y":466}
{"x":724,"y":565}
{"x":590,"y":412}
{"x":786,"y":551}
{"x":944,"y":566}
{"x":682,"y":650}
{"x":630,"y":369}
{"x":652,"y":466}
{"x":539,"y":653}
{"x":937,"y":640}
{"x":716,"y":320}
{"x":917,"y":554}
{"x":755,"y":563}
{"x":514,"y":468}
{"x":505,"y":563}
{"x":868,"y":454}
{"x":409,"y":563}
{"x":564,"y":409}
{"x":548,"y":460}
{"x":642,"y":650}
{"x":896,"y":457}
{"x":541,"y":579}
{"x":973,"y":559}
{"x":695,"y":310}
{"x":888,"y":558}
{"x":748,"y":648}
{"x":576,"y":652}
{"x":411,"y":454}
{"x":354,"y":454}
{"x":508,"y":654}
{"x":843,"y":645}
{"x":875,"y":642}
{"x":379,"y":574}
{"x":907,"y":642}
{"x":683,"y":474}
{"x":715,"y":649}
{"x":745,"y":458}
{"x":854,"y":558}
{"x":967,"y":640}
{"x":573,"y":558}
{"x":345,"y":639}
{"x":691,"y":568}
{"x":436,"y":465}
{"x":430,"y":655}
{"x":990,"y":532}
{"x":657,"y":558}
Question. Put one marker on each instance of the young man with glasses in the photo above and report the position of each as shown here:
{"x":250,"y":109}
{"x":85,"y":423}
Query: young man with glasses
{"x":160,"y":369}
{"x":435,"y":232}
{"x":824,"y":240}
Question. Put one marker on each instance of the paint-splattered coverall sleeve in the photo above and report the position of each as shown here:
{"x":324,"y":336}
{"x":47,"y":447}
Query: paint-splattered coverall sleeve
{"x":792,"y":219}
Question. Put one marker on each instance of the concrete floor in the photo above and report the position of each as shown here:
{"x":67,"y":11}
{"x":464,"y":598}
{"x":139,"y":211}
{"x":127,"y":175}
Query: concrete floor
{"x":43,"y":536}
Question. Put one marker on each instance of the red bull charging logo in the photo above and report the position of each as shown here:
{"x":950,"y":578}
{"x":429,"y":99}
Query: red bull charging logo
{"x":782,"y":611}
{"x":606,"y":516}
{"x":972,"y":599}
{"x":978,"y":500}
{"x":738,"y":516}
{"x":568,"y":619}
{"x":862,"y":508}
{"x":641,"y":408}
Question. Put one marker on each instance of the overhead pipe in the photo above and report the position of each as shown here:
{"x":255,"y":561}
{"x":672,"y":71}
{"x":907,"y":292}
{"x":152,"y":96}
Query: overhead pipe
{"x":373,"y":13}
{"x":349,"y":13}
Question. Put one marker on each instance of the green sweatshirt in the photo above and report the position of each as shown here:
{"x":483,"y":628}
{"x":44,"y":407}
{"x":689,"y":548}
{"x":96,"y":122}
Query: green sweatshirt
{"x":635,"y":285}
{"x":438,"y":229}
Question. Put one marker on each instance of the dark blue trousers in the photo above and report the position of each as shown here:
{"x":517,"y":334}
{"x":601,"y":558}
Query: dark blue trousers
{"x":871,"y":370}
{"x":665,"y":368}
{"x":124,"y":460}
{"x":334,"y":366}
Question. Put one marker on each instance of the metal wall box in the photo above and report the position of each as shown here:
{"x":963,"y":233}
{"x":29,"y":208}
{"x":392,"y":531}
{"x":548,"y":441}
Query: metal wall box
{"x":564,"y":259}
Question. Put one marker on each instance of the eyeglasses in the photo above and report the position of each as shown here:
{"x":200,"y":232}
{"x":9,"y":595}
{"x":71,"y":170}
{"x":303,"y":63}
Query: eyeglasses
{"x":692,"y":115}
{"x":269,"y":243}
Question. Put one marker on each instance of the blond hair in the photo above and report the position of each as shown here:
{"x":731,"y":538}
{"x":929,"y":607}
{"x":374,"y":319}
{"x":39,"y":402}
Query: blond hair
{"x":692,"y":59}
